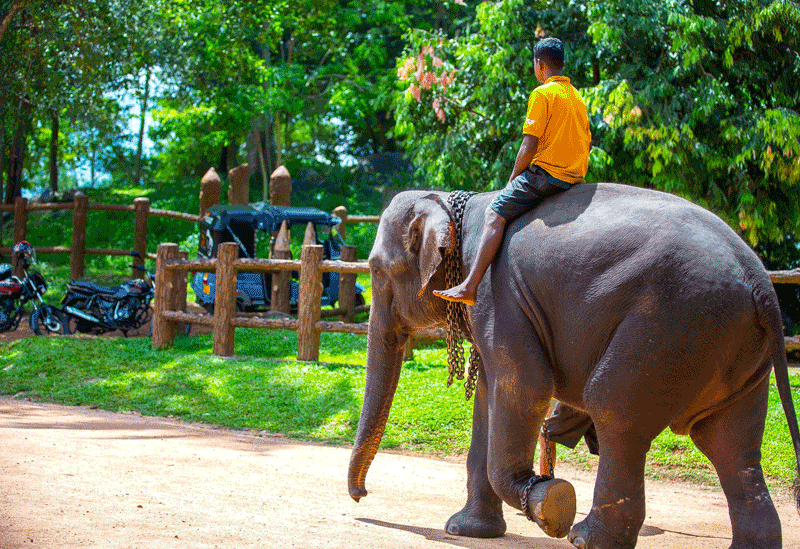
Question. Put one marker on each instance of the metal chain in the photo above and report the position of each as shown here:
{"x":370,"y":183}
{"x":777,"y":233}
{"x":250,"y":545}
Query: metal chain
{"x":458,"y":329}
{"x":457,"y":323}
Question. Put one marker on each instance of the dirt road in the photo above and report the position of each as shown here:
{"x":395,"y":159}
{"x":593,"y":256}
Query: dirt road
{"x":77,"y":478}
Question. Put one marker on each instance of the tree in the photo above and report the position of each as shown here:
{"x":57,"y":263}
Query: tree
{"x":58,"y":60}
{"x":695,"y":98}
{"x":702,"y":100}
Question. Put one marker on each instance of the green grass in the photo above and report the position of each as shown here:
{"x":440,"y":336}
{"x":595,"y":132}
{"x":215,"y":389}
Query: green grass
{"x":320,"y":401}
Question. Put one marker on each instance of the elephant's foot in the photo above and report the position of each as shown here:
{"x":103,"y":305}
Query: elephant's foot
{"x":469,"y":523}
{"x":551,"y":505}
{"x":587,"y":534}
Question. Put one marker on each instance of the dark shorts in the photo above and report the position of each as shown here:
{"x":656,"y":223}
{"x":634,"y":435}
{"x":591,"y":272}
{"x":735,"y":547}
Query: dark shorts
{"x":567,"y":426}
{"x":526,"y":191}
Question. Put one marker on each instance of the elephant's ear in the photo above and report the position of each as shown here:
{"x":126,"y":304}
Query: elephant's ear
{"x":430,"y":236}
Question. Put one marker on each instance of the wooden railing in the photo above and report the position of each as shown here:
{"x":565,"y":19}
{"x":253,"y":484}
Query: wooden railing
{"x":80,"y":207}
{"x":169,"y":312}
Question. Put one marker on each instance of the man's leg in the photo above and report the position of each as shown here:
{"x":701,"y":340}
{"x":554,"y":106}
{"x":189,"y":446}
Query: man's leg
{"x":521,"y":194}
{"x":491,"y":238}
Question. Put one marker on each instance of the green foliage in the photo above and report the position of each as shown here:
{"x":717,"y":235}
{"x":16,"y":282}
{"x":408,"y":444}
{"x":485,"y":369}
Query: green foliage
{"x":699,"y":99}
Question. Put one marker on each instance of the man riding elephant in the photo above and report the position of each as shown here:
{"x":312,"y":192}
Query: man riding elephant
{"x":633,"y":306}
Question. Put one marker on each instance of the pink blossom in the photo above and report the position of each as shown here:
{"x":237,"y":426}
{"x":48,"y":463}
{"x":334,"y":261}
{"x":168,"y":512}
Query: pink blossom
{"x":405,"y":71}
{"x":428,"y":79}
{"x":420,"y":67}
{"x":437,"y":62}
{"x":437,"y":108}
{"x":460,"y":2}
{"x":427,"y":50}
{"x":416,"y":93}
{"x":445,"y":80}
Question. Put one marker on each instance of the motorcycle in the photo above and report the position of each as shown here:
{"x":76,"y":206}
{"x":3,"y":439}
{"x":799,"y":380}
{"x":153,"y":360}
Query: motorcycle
{"x":89,"y":308}
{"x":15,"y":292}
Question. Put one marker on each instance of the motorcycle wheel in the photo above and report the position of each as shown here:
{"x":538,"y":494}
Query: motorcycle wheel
{"x":46,"y":321}
{"x":74,"y":325}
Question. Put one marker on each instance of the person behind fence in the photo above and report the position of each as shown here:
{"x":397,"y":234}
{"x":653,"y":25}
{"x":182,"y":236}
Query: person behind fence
{"x":553,"y":156}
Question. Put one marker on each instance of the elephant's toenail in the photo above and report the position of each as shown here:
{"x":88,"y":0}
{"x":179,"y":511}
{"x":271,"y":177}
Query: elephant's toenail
{"x":452,"y":529}
{"x":578,"y":542}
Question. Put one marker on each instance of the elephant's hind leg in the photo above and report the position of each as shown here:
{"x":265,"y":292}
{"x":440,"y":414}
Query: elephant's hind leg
{"x":731,"y":439}
{"x":618,"y":506}
{"x":482,"y":516}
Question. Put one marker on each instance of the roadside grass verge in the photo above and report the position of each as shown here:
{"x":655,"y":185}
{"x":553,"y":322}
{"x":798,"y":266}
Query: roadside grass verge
{"x":266,"y":389}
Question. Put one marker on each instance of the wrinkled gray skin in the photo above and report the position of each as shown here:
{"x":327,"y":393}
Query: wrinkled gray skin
{"x":636,"y":306}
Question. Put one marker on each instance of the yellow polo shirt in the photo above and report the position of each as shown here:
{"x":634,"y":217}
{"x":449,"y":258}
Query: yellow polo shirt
{"x":557,"y":116}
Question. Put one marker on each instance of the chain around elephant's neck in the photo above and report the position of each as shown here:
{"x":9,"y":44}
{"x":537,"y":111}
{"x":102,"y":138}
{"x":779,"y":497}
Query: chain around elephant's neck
{"x":458,"y":327}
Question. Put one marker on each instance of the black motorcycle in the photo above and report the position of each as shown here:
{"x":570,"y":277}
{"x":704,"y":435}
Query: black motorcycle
{"x":15,"y":292}
{"x":93,"y":309}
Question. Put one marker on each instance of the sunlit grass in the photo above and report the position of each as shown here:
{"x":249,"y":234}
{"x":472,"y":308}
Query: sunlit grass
{"x":265,"y":388}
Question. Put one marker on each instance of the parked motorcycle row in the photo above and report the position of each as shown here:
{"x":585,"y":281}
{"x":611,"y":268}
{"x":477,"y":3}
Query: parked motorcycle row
{"x":85,"y":308}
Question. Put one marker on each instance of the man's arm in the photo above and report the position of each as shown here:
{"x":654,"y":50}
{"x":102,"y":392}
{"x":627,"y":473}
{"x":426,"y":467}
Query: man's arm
{"x":524,"y":156}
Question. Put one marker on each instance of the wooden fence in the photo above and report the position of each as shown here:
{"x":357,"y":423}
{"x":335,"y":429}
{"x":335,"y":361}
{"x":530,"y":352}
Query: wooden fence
{"x":171,"y":271}
{"x":170,"y":299}
{"x":80,"y":207}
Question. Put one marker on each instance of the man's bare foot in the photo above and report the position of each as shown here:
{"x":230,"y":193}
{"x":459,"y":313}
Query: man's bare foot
{"x":459,"y":294}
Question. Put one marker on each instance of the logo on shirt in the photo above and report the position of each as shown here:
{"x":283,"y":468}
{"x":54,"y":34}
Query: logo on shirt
{"x":530,"y":121}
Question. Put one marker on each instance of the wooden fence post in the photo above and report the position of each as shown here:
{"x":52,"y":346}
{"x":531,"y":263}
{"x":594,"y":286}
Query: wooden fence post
{"x":181,"y":281}
{"x":280,"y":187}
{"x":281,"y":280}
{"x":163,"y":330}
{"x":239,"y":185}
{"x":309,"y":308}
{"x":20,"y":228}
{"x":141,"y":208}
{"x":225,"y":298}
{"x":341,"y":213}
{"x":77,"y":261}
{"x":20,"y":219}
{"x":310,"y":238}
{"x":210,"y":188}
{"x":347,"y":286}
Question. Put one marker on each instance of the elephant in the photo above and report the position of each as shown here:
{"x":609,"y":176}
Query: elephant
{"x":635,"y":306}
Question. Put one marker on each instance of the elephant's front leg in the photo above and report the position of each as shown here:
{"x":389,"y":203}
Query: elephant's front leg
{"x":482,"y":516}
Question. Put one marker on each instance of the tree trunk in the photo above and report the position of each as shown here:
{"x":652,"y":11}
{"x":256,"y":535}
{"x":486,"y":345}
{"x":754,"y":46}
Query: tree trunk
{"x":137,"y":171}
{"x":54,"y":127}
{"x":91,"y":164}
{"x":17,"y":156}
{"x":15,"y":8}
{"x":2,"y":141}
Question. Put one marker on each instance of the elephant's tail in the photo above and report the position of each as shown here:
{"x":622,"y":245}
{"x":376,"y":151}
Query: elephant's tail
{"x":770,"y":314}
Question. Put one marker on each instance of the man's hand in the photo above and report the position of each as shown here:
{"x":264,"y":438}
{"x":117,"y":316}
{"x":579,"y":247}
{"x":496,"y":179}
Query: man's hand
{"x":527,"y":150}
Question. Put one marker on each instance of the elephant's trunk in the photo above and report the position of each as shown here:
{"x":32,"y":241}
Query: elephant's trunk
{"x":385,"y":349}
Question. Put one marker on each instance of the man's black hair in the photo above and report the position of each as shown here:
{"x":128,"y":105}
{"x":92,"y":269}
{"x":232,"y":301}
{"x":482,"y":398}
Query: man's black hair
{"x":551,"y":51}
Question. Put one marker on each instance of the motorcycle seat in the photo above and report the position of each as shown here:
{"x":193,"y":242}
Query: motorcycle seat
{"x":91,"y":287}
